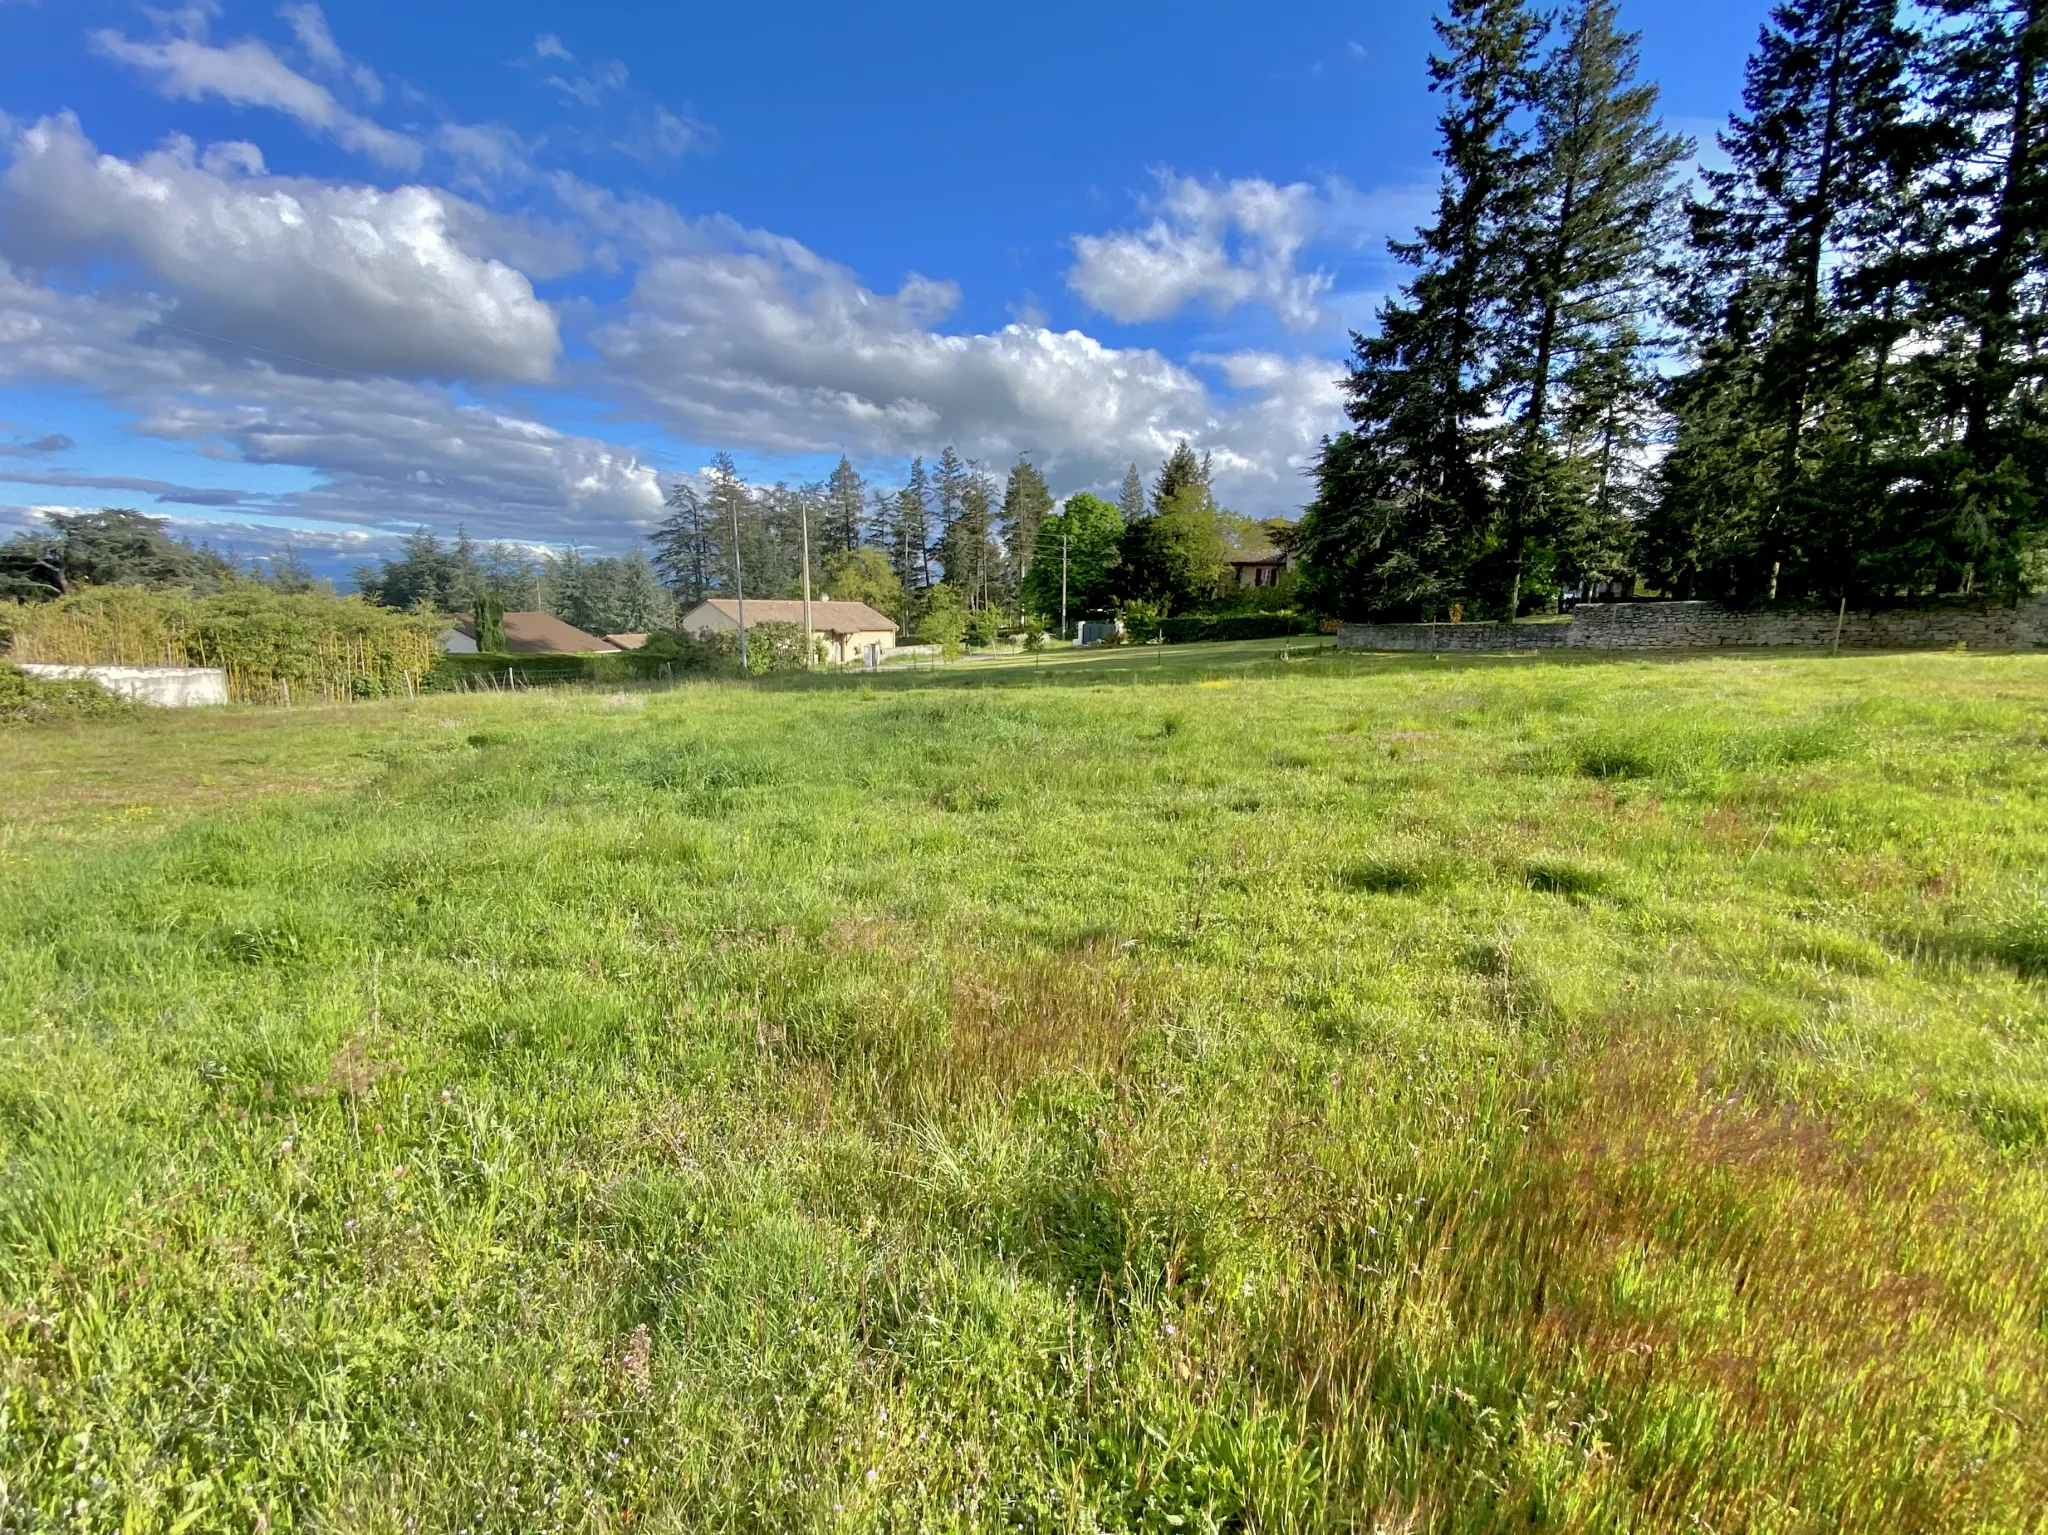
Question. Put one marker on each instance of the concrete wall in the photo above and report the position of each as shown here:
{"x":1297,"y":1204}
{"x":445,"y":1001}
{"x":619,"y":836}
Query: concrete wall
{"x":1708,"y":626}
{"x":168,"y":687}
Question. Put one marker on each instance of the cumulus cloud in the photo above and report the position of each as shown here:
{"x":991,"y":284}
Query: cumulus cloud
{"x":350,"y":278}
{"x":185,"y":66}
{"x":753,"y":339}
{"x":384,"y":452}
{"x":1221,"y":244}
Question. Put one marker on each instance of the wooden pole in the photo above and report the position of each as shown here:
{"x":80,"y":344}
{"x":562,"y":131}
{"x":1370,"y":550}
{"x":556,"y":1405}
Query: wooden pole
{"x":804,"y":509}
{"x":1841,"y":617}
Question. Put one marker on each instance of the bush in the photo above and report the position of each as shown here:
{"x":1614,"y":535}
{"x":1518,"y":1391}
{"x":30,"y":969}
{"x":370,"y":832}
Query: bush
{"x":1234,"y":626}
{"x":1142,"y":621}
{"x":667,"y":655}
{"x":276,"y":647}
{"x":26,"y":700}
{"x":776,"y":648}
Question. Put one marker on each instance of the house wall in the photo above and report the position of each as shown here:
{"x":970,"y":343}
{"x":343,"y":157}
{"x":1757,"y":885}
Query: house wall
{"x":1708,"y":626}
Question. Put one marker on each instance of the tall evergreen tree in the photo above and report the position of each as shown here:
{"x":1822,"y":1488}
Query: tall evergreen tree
{"x":949,"y":477}
{"x":905,"y":532}
{"x":683,"y":545}
{"x":1180,"y":472}
{"x":728,"y":505}
{"x":1027,"y":502}
{"x":1982,"y":517}
{"x":1598,"y":187}
{"x":967,"y":547}
{"x":1404,"y":504}
{"x":842,"y":507}
{"x":1130,"y":501}
{"x":1750,"y":504}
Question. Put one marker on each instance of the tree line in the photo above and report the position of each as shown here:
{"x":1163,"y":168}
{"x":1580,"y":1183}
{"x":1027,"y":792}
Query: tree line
{"x":1812,"y":374}
{"x":950,"y":547}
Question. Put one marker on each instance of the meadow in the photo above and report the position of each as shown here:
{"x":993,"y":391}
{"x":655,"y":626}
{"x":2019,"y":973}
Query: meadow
{"x":1325,"y":1093}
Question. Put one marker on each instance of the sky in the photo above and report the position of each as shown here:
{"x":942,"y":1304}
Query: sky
{"x":286,"y":273}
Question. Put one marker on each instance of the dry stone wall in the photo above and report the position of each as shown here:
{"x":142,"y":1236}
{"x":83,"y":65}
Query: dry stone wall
{"x":1709,"y":626}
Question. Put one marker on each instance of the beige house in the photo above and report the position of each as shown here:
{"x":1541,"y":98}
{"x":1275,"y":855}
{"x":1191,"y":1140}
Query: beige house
{"x":847,"y":629}
{"x":1259,"y":567}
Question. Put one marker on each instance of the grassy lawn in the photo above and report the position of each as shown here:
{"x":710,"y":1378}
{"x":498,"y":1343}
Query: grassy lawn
{"x":1349,"y":1093}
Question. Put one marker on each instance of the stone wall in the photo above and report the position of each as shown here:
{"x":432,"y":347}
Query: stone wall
{"x":168,"y":687}
{"x":1709,"y":626}
{"x":1488,"y":637}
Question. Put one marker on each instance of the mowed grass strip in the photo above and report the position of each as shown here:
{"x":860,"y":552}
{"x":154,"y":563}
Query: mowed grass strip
{"x":1349,"y":1093}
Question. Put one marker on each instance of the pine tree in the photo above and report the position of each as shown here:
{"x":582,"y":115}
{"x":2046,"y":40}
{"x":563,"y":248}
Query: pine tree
{"x":1182,"y":471}
{"x":1027,"y":502}
{"x":1130,"y":502}
{"x":843,"y":503}
{"x":1598,"y":178}
{"x":907,"y":528}
{"x":1404,"y":505}
{"x":1770,"y":409}
{"x":728,"y":506}
{"x":967,"y":550}
{"x":1981,"y":513}
{"x":683,"y":545}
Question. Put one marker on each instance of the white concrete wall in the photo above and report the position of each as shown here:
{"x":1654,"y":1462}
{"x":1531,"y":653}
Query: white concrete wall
{"x":167,"y":687}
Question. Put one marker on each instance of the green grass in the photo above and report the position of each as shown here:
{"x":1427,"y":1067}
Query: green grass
{"x":1348,"y":1093}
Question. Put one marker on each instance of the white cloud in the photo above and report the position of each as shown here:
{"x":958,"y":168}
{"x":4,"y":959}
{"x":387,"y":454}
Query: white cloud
{"x":309,"y":25}
{"x":386,"y":453}
{"x":750,"y":339}
{"x":1216,"y":243}
{"x":350,"y":278}
{"x":188,"y":68}
{"x":549,"y":46}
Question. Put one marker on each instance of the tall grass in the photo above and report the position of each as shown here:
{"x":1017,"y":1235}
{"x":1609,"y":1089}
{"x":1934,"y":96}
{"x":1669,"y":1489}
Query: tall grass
{"x":1326,"y":1099}
{"x":274,"y":647}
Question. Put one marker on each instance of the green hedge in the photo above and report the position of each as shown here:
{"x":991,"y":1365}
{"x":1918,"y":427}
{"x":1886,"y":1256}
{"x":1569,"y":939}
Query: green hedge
{"x":467,"y":673}
{"x":664,"y":656}
{"x":26,"y":700}
{"x":1234,"y":626}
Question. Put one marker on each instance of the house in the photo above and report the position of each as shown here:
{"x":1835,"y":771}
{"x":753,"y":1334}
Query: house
{"x":626,"y":641}
{"x":847,"y":628}
{"x":1262,"y":566}
{"x":530,"y":634}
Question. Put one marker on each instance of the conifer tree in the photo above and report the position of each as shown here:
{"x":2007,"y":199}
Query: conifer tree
{"x":1404,"y":504}
{"x":1598,"y":181}
{"x":906,"y":528}
{"x":1980,"y":518}
{"x":1027,"y":502}
{"x":1820,"y":156}
{"x":1130,"y":501}
{"x":683,"y":545}
{"x":1181,"y":471}
{"x":843,"y":505}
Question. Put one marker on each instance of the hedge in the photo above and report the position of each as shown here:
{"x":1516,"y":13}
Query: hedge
{"x":276,"y":647}
{"x":1234,"y":626}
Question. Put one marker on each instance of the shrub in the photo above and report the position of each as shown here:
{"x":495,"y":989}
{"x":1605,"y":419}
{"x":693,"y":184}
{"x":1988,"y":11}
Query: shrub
{"x":1234,"y":626}
{"x":1142,"y":620}
{"x":26,"y":700}
{"x":276,"y":647}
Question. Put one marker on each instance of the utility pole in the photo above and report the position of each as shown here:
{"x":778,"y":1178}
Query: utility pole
{"x":739,"y":583}
{"x":803,"y":506}
{"x":1063,"y":583}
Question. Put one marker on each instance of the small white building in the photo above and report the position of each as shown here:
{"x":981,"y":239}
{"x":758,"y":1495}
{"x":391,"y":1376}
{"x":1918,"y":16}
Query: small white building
{"x":847,"y":629}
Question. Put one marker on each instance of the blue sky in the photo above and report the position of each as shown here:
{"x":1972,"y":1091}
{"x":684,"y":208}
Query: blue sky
{"x":278,"y":271}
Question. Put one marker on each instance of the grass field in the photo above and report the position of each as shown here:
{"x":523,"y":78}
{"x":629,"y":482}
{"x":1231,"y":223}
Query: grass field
{"x":1343,"y":1093}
